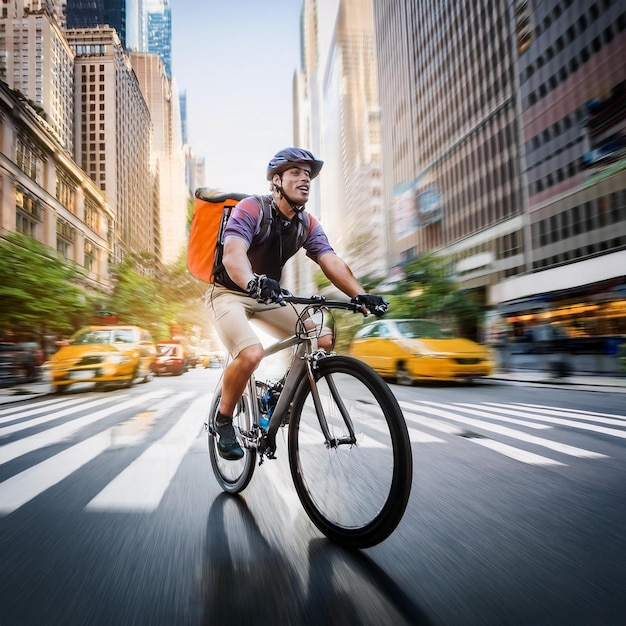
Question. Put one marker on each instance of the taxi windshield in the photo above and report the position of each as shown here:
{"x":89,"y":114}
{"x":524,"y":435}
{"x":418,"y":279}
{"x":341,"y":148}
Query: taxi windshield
{"x":92,"y":337}
{"x":421,"y":329}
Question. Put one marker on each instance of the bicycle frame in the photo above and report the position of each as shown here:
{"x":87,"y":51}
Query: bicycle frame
{"x":302,"y":365}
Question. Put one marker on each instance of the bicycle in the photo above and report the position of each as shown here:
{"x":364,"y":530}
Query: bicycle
{"x":348,"y":446}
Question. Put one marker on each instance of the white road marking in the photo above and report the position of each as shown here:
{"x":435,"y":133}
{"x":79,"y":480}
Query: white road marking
{"x":515,"y":453}
{"x":593,"y":417}
{"x":588,"y":414}
{"x":416,"y":417}
{"x":28,"y":484}
{"x":141,"y":486}
{"x":49,"y":417}
{"x":23,"y":487}
{"x":473,"y":409}
{"x":20,"y":447}
{"x":39,"y":407}
{"x":513,"y":434}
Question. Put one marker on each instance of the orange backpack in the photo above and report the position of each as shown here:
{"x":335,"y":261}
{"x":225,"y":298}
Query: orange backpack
{"x":211,"y":211}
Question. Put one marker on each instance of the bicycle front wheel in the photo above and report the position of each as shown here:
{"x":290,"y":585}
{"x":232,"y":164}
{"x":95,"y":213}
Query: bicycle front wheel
{"x":355,"y":493}
{"x":234,"y":476}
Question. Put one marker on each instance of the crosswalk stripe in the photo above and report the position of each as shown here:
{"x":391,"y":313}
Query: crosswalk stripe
{"x":141,"y":486}
{"x":543,"y":407}
{"x":28,"y":484}
{"x":419,"y":436}
{"x":412,"y":415}
{"x":512,"y":433}
{"x":565,"y":422}
{"x":30,"y":409}
{"x":415,"y":435}
{"x":515,"y":453}
{"x":472,"y":409}
{"x":34,"y":411}
{"x":23,"y":487}
{"x":593,"y":417}
{"x":20,"y":447}
{"x":49,"y":417}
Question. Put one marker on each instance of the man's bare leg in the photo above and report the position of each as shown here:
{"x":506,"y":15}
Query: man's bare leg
{"x":234,"y":383}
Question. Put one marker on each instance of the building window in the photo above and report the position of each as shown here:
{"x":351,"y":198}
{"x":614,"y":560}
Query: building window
{"x":90,"y":255}
{"x":66,"y":235}
{"x":28,"y":159}
{"x":92,"y":217}
{"x":66,"y":192}
{"x":28,"y":213}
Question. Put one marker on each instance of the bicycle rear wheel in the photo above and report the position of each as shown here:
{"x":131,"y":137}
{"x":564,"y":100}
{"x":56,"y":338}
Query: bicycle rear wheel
{"x":355,"y":494}
{"x":234,"y":476}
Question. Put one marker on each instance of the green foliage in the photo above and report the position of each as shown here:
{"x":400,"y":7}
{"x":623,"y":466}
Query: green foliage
{"x":136,"y":299}
{"x":39,"y":290}
{"x":171,"y":297}
{"x":428,"y":292}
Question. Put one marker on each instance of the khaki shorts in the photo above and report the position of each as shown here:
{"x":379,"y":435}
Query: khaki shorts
{"x":231,"y":311}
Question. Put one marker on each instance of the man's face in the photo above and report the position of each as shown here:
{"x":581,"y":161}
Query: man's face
{"x":296,"y":183}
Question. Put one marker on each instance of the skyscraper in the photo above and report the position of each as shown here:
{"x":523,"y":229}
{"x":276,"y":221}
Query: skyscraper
{"x":36,"y":60}
{"x":114,"y":134}
{"x":159,"y":31}
{"x":122,"y":15}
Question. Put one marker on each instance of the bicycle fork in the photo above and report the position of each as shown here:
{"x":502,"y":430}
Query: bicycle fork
{"x":331,"y":442}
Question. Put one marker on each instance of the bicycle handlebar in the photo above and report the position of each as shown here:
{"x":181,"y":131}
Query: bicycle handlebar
{"x":321,"y":301}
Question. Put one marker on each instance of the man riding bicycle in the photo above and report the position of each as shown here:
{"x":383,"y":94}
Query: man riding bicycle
{"x":247,"y":285}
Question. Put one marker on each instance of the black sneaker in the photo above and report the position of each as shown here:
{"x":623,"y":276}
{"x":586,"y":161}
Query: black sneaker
{"x":227,"y":444}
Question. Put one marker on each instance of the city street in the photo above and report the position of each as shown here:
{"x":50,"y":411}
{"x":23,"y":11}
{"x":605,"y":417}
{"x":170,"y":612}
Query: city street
{"x":110,"y":514}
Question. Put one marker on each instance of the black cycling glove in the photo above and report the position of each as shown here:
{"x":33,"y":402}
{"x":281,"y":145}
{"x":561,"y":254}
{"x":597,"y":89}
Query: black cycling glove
{"x":265,"y":290}
{"x":374,"y":304}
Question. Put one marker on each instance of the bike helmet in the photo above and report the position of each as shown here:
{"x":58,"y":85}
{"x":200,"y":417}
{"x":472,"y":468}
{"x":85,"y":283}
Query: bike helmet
{"x":289,"y":156}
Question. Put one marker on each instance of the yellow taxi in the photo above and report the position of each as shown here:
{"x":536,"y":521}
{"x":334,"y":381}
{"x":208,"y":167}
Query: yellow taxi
{"x":415,"y":349}
{"x":102,"y":355}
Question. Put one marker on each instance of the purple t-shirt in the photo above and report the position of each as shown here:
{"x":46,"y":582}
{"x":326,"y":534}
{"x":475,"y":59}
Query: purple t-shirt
{"x":245,"y":221}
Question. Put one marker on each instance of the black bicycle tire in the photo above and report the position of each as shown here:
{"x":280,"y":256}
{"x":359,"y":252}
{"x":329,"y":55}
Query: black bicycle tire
{"x":228,"y":484}
{"x":378,"y":529}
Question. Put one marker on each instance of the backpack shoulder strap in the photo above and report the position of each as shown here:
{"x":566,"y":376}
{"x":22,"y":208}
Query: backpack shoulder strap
{"x":266,"y":217}
{"x":304,"y":227}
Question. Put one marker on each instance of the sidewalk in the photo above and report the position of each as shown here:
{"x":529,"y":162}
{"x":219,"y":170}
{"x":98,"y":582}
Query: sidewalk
{"x":587,"y":381}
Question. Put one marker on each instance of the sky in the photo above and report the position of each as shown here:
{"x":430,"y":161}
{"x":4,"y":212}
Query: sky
{"x":236,"y":60}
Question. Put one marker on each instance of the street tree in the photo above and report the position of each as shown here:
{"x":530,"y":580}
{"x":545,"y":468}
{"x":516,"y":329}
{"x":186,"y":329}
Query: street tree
{"x":39,"y":289}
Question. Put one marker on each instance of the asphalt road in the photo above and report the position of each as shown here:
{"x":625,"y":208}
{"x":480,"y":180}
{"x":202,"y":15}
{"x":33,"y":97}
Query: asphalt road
{"x":109,"y":514}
